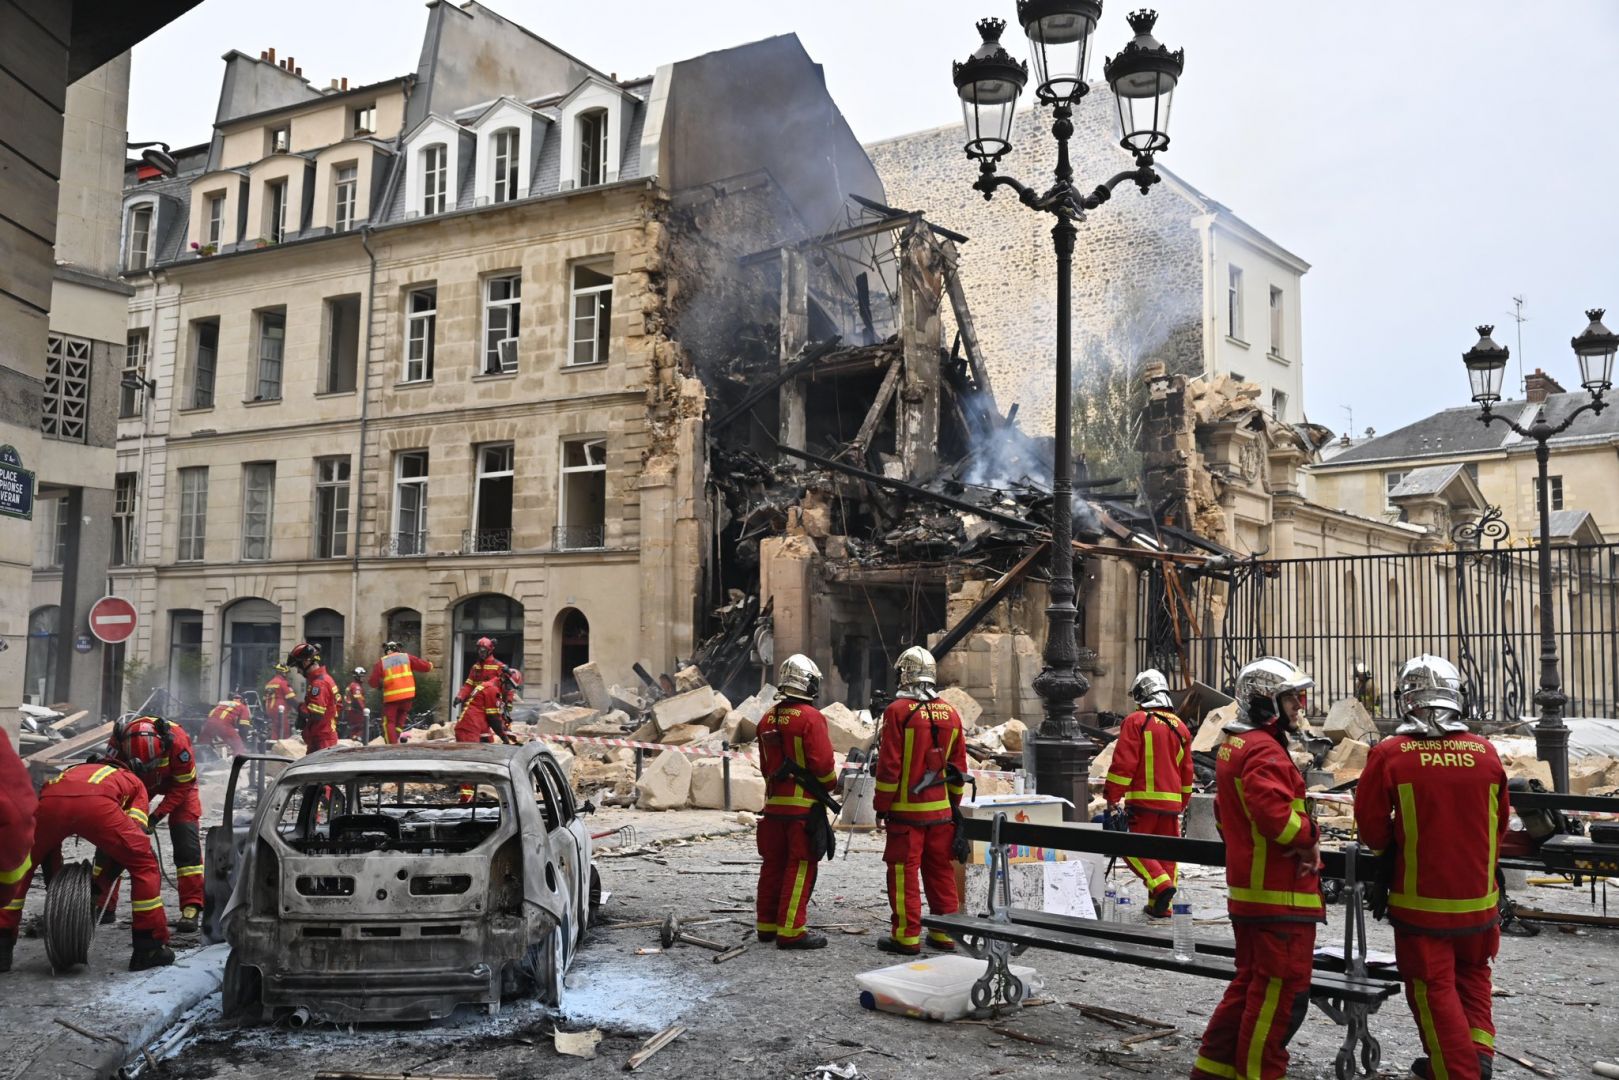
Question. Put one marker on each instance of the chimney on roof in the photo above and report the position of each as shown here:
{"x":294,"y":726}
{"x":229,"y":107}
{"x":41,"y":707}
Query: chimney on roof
{"x":263,"y":55}
{"x":270,"y":54}
{"x":345,"y":82}
{"x":1539,"y":384}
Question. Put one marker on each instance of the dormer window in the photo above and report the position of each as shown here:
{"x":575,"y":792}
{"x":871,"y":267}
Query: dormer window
{"x":365,"y":119}
{"x":213,"y":225}
{"x":275,"y":211}
{"x":279,"y":140}
{"x":508,"y":145}
{"x":138,"y":249}
{"x":435,"y":176}
{"x":344,"y":186}
{"x":593,"y":148}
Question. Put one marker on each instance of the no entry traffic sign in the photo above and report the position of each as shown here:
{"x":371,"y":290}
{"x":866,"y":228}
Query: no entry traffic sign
{"x":112,"y":619}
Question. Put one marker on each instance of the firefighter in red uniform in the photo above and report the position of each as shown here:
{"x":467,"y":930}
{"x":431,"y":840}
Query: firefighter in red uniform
{"x":280,"y":704}
{"x":483,"y":718}
{"x":1437,"y":794}
{"x":487,"y":665}
{"x":105,"y":803}
{"x":795,"y":755}
{"x":395,"y":676}
{"x":355,"y":713}
{"x":1273,"y":861}
{"x":317,"y":716}
{"x":174,"y":786}
{"x":1151,"y":776}
{"x":921,"y":772}
{"x":17,"y":805}
{"x":226,"y":724}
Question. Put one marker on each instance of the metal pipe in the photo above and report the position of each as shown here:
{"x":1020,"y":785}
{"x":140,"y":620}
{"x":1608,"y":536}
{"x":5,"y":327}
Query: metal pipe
{"x":298,"y":1018}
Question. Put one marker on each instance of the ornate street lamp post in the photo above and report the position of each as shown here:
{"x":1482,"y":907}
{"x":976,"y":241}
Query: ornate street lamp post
{"x":1486,"y":364}
{"x":1143,"y":77}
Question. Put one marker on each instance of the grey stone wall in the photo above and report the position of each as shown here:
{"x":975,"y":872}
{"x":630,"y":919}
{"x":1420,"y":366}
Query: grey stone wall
{"x":1138,"y":292}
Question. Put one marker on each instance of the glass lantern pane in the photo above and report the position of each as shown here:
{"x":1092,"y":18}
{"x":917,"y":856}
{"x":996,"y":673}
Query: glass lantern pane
{"x":1596,"y":370}
{"x":988,"y":116}
{"x":1059,"y":51}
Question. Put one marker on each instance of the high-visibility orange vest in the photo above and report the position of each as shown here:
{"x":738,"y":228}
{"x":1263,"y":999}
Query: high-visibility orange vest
{"x":398,"y":681}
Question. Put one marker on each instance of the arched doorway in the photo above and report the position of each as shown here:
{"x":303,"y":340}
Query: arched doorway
{"x":572,"y":635}
{"x":323,"y":628}
{"x":404,"y":625}
{"x":492,"y":616}
{"x":39,"y":662}
{"x":252,"y":644}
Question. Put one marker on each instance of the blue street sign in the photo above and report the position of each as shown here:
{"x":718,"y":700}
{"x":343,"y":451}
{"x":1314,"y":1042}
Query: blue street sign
{"x":16,"y":486}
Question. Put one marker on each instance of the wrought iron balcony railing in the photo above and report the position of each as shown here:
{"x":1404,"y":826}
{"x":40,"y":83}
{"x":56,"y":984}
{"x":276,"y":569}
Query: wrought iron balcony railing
{"x":406,"y":543}
{"x":578,"y":537}
{"x":483,"y":541}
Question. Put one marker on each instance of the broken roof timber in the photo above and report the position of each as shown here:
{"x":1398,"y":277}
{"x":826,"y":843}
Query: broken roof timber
{"x":908,"y":489}
{"x":814,"y":351}
{"x":991,"y":597}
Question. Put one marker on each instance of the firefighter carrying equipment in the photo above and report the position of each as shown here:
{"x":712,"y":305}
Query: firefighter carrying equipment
{"x":919,"y":739}
{"x":1152,"y":763}
{"x":789,"y":837}
{"x":1259,"y":807}
{"x":318,"y":714}
{"x":227,"y":722}
{"x":487,"y":667}
{"x":395,"y":676}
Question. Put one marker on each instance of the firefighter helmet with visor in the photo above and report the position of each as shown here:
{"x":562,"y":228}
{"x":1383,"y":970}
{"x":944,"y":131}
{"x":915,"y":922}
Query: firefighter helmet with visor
{"x":1259,"y":690}
{"x":917,"y":674}
{"x":1430,"y":697}
{"x":1151,"y":690}
{"x":799,"y":678}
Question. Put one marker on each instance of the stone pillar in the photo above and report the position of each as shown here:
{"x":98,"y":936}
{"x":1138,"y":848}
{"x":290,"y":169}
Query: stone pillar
{"x":788,"y":575}
{"x":794,"y":336}
{"x":920,"y":287}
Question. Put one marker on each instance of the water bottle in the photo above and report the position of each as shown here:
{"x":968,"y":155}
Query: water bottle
{"x":1110,"y":903}
{"x":1180,"y":926}
{"x":1122,"y":910}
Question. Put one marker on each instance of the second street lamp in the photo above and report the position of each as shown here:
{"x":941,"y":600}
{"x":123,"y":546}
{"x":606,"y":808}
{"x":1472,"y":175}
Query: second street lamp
{"x":1486,"y":365}
{"x":1143,"y":76}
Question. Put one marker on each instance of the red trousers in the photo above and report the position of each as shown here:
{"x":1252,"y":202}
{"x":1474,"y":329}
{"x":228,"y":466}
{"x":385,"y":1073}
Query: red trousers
{"x":17,"y":805}
{"x":1447,"y":984}
{"x":395,"y":715}
{"x":787,"y":877}
{"x":224,"y":733}
{"x":1248,"y":1033}
{"x":278,"y":721}
{"x":115,"y":835}
{"x":185,"y":851}
{"x":1157,"y":876}
{"x":912,"y":852}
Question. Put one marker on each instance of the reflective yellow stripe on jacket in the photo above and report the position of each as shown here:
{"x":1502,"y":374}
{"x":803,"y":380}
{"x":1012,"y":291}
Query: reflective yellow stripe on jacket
{"x":1255,"y":892}
{"x":1408,"y":895}
{"x":903,"y":804}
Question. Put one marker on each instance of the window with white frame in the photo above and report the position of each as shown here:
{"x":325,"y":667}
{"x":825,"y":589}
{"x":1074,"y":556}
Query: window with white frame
{"x":275,"y":211}
{"x":204,"y":362}
{"x":138,"y":243}
{"x":342,"y":344}
{"x":508,"y":145}
{"x":214,"y":224}
{"x":593,"y":147}
{"x":492,"y":499}
{"x":132,"y":387}
{"x":1234,"y":302}
{"x":592,"y":315}
{"x":410,"y":503}
{"x":1278,"y":405}
{"x":50,"y":533}
{"x":67,"y":388}
{"x":502,"y":318}
{"x":1277,"y":326}
{"x":365,"y":119}
{"x":421,"y":330}
{"x":435,"y":178}
{"x":1555,"y":486}
{"x":278,"y":140}
{"x":331,"y":507}
{"x":193,"y":514}
{"x":258,"y":509}
{"x":345,"y":185}
{"x":1391,"y":480}
{"x":123,"y":519}
{"x":272,"y":351}
{"x":582,"y":502}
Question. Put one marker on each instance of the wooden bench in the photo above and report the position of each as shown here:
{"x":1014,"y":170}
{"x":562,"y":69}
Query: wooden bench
{"x":1345,"y":991}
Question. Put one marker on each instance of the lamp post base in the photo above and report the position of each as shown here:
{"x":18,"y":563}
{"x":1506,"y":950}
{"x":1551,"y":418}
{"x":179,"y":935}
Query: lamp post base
{"x":1062,"y":768}
{"x":1551,"y":746}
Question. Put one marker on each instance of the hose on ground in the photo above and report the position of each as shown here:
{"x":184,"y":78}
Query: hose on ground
{"x":70,"y":917}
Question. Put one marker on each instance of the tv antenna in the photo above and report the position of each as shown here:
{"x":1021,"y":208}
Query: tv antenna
{"x":1350,"y":429}
{"x":1517,"y":316}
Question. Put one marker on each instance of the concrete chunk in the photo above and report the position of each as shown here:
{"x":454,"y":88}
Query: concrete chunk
{"x":1528,"y":767}
{"x":1349,"y":754}
{"x":1348,"y":719}
{"x":1588,"y":773}
{"x":708,"y":785}
{"x":689,"y":678}
{"x":563,"y":720}
{"x":1100,"y":763}
{"x":1213,"y":728}
{"x":741,"y":724}
{"x":685,"y":734}
{"x":627,"y":700}
{"x":965,"y":705}
{"x":846,"y":728}
{"x":593,"y":686}
{"x":692,"y":707}
{"x":665,"y":782}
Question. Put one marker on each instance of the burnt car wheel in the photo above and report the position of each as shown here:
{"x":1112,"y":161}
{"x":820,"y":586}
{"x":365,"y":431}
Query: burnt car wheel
{"x":548,"y":968}
{"x":241,"y":992}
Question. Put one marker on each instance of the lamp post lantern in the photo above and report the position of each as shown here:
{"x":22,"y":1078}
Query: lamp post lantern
{"x":1486,"y":364}
{"x":989,"y":82}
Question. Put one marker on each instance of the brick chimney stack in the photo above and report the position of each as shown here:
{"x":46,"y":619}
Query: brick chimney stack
{"x":1538,"y":385}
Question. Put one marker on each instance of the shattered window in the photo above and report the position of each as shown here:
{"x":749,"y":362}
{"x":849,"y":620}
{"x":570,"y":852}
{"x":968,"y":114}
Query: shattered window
{"x":592,"y":315}
{"x":502,"y":315}
{"x":418,"y":814}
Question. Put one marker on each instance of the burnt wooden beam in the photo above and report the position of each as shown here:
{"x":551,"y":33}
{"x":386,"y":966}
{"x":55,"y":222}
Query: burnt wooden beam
{"x":812,"y":352}
{"x":874,"y":415}
{"x":996,"y":592}
{"x":909,"y":489}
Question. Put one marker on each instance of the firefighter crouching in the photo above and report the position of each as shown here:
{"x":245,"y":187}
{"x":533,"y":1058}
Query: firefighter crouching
{"x":280,"y":704}
{"x":105,"y":803}
{"x":483,"y":717}
{"x":395,"y":676}
{"x":17,"y":805}
{"x":1273,"y":860}
{"x":227,"y":723}
{"x":1151,"y":776}
{"x":317,"y":716}
{"x":795,"y":756}
{"x":1436,"y":794}
{"x":174,"y":784}
{"x":921,"y":770}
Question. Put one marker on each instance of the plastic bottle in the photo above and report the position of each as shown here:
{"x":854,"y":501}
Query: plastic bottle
{"x":1110,"y":903}
{"x":1180,"y":925}
{"x":1123,"y":910}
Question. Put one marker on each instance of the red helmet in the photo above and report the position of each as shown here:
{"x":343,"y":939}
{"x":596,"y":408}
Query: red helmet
{"x":485,"y":646}
{"x":511,"y":677}
{"x":303,"y":654}
{"x":139,"y":743}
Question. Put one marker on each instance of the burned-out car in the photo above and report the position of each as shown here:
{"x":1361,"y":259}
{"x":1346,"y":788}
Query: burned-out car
{"x":389,"y":883}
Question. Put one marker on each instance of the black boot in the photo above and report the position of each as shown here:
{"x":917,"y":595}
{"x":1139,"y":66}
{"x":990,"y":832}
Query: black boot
{"x":187,"y":923}
{"x":1158,"y":906}
{"x":889,"y":945}
{"x":149,"y":952}
{"x":809,"y":939}
{"x":1419,"y":1067}
{"x":7,"y":943}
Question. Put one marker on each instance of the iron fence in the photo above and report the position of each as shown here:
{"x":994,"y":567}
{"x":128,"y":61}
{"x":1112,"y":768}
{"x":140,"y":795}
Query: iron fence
{"x":578,"y":537}
{"x":484,"y":541}
{"x":1477,"y":606}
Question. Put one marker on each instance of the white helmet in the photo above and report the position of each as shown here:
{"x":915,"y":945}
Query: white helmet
{"x":918,"y":674}
{"x":1430,"y":697}
{"x":1151,"y":690}
{"x":1266,"y":679}
{"x":799,"y":678}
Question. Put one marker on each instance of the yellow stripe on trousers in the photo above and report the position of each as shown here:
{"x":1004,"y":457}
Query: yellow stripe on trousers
{"x":1430,"y":1034}
{"x":1261,"y":1032}
{"x":792,"y":927}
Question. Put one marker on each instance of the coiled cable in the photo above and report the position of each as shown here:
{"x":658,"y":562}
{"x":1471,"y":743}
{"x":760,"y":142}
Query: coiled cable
{"x":70,"y":917}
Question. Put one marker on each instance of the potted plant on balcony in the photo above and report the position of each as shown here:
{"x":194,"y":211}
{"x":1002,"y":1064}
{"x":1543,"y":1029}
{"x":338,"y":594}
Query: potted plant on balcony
{"x":202,"y":251}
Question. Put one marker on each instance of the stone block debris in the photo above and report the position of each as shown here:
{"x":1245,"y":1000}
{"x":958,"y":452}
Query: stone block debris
{"x":965,"y":704}
{"x":847,"y":728}
{"x":693,"y":706}
{"x":1348,"y":719}
{"x":1212,"y":730}
{"x":708,"y":785}
{"x":665,"y":782}
{"x":593,"y":686}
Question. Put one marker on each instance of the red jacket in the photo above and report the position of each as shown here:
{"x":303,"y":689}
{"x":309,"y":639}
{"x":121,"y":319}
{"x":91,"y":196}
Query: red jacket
{"x":1259,"y":806}
{"x":1152,"y":763}
{"x":1443,"y":804}
{"x":17,"y":803}
{"x":230,"y":714}
{"x":279,"y":696}
{"x":484,"y":714}
{"x":481,"y":672}
{"x":919,"y":738}
{"x":176,"y":783}
{"x":102,"y":780}
{"x":318,"y":714}
{"x":395,"y":676}
{"x":794,"y":728}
